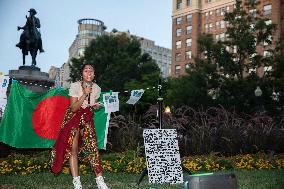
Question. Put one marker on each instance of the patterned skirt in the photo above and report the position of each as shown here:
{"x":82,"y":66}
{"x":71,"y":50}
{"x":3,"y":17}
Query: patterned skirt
{"x":81,"y":121}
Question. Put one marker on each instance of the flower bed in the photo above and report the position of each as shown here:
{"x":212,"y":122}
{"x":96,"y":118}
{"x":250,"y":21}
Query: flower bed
{"x":131,"y":164}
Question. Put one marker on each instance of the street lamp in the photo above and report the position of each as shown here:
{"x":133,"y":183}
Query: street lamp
{"x":167,"y":110}
{"x":258,"y":93}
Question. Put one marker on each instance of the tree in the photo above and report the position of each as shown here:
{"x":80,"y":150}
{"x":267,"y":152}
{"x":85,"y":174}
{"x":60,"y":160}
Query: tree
{"x":119,"y":65}
{"x":217,"y":76}
{"x":75,"y":69}
{"x":192,"y":89}
{"x":117,"y":60}
{"x":244,"y":32}
{"x":149,"y":74}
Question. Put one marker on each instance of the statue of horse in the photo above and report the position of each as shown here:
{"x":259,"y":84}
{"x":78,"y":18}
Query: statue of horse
{"x":30,"y":40}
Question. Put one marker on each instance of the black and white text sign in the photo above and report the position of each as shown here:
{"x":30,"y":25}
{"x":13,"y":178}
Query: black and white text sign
{"x":162,"y":155}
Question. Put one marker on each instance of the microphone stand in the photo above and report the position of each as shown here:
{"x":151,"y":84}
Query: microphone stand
{"x":160,"y":117}
{"x":160,"y":100}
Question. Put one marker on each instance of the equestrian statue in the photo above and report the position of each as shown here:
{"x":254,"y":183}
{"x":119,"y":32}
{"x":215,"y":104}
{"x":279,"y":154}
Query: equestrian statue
{"x":30,"y":40}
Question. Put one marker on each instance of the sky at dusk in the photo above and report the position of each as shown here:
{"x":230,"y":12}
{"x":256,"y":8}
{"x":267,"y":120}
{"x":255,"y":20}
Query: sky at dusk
{"x":150,"y":19}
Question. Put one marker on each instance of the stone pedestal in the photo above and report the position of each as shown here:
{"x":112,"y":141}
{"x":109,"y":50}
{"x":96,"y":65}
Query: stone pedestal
{"x":32,"y":78}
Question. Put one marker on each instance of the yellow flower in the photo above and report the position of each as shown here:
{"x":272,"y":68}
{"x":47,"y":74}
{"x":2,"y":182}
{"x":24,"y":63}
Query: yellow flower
{"x":65,"y":170}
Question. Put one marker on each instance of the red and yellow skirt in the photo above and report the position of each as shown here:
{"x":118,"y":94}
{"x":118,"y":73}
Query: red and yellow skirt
{"x":81,"y":121}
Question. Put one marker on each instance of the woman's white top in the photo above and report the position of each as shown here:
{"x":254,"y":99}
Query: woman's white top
{"x":76,"y":90}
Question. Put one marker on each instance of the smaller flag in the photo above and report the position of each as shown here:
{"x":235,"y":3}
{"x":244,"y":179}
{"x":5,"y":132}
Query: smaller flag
{"x":111,"y":102}
{"x":135,"y":96}
{"x":4,"y":82}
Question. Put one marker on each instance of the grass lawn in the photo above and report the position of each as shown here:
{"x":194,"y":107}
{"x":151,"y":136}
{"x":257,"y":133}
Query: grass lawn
{"x":256,"y":179}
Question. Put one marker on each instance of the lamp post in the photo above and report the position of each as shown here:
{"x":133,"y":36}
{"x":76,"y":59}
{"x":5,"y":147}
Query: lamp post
{"x":258,"y":93}
{"x":167,"y":110}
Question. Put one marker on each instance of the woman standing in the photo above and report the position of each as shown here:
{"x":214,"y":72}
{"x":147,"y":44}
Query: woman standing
{"x":77,"y":136}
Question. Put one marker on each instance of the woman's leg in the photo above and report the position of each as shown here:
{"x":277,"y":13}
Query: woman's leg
{"x":73,"y":160}
{"x":97,"y":167}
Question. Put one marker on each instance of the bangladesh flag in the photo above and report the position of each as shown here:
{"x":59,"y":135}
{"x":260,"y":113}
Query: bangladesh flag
{"x":32,"y":120}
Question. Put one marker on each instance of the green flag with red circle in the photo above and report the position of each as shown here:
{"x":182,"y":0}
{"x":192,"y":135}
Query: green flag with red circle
{"x":32,"y":120}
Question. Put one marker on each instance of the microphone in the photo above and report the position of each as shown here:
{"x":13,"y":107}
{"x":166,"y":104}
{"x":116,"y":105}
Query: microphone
{"x":89,"y":85}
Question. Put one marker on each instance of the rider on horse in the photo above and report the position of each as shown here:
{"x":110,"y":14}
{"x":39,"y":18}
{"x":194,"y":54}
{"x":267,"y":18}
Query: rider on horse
{"x":30,"y":33}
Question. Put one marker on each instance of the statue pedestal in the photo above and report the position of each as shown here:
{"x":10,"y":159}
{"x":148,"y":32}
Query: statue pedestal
{"x":32,"y":78}
{"x":29,"y":68}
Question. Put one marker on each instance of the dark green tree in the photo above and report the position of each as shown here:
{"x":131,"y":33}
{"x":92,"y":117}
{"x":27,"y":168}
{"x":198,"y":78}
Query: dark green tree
{"x":246,"y":29}
{"x":218,"y":71}
{"x":149,"y":74}
{"x":117,"y":60}
{"x":75,"y":69}
{"x":192,"y":89}
{"x":119,"y":66}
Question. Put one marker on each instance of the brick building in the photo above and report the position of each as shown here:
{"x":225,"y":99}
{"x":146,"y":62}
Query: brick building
{"x":190,"y":18}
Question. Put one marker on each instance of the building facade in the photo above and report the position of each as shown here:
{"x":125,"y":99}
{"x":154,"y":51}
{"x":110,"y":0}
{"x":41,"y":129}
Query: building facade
{"x":190,"y":18}
{"x":162,"y":55}
{"x":54,"y":74}
{"x":89,"y":29}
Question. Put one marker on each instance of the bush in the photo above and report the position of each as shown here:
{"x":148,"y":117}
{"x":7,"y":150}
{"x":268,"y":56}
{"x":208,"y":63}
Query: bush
{"x":202,"y":131}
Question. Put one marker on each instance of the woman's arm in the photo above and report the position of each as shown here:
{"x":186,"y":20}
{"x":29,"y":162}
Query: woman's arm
{"x":75,"y":103}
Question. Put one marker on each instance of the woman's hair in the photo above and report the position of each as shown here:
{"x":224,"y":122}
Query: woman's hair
{"x":83,"y":67}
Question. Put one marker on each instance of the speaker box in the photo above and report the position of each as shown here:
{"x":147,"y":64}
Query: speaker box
{"x":211,"y":181}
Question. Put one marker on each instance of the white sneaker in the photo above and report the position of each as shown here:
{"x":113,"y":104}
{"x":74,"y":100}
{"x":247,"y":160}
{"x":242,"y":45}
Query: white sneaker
{"x":77,"y":182}
{"x":101,"y":183}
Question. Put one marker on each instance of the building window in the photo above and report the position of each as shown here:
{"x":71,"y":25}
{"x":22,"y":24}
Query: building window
{"x":178,"y":33}
{"x":188,"y":42}
{"x":222,"y":37}
{"x":223,"y":10}
{"x":206,"y":14}
{"x":210,"y":27}
{"x":178,"y":57}
{"x":267,"y":41}
{"x":178,"y":20}
{"x":187,"y":66}
{"x":268,"y":22}
{"x":267,"y":9}
{"x":217,"y":11}
{"x":235,"y":49}
{"x":177,"y":69}
{"x":228,"y":9}
{"x":208,"y":1}
{"x":266,"y":54}
{"x":84,"y":42}
{"x":189,"y":2}
{"x":188,"y":29}
{"x":179,"y":2}
{"x":252,"y":12}
{"x":222,"y":24}
{"x":188,"y":55}
{"x":227,"y":48}
{"x":188,"y":17}
{"x":205,"y":54}
{"x":252,"y":27}
{"x":81,"y":51}
{"x":206,"y":27}
{"x":217,"y":25}
{"x":217,"y":37}
{"x":178,"y":44}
